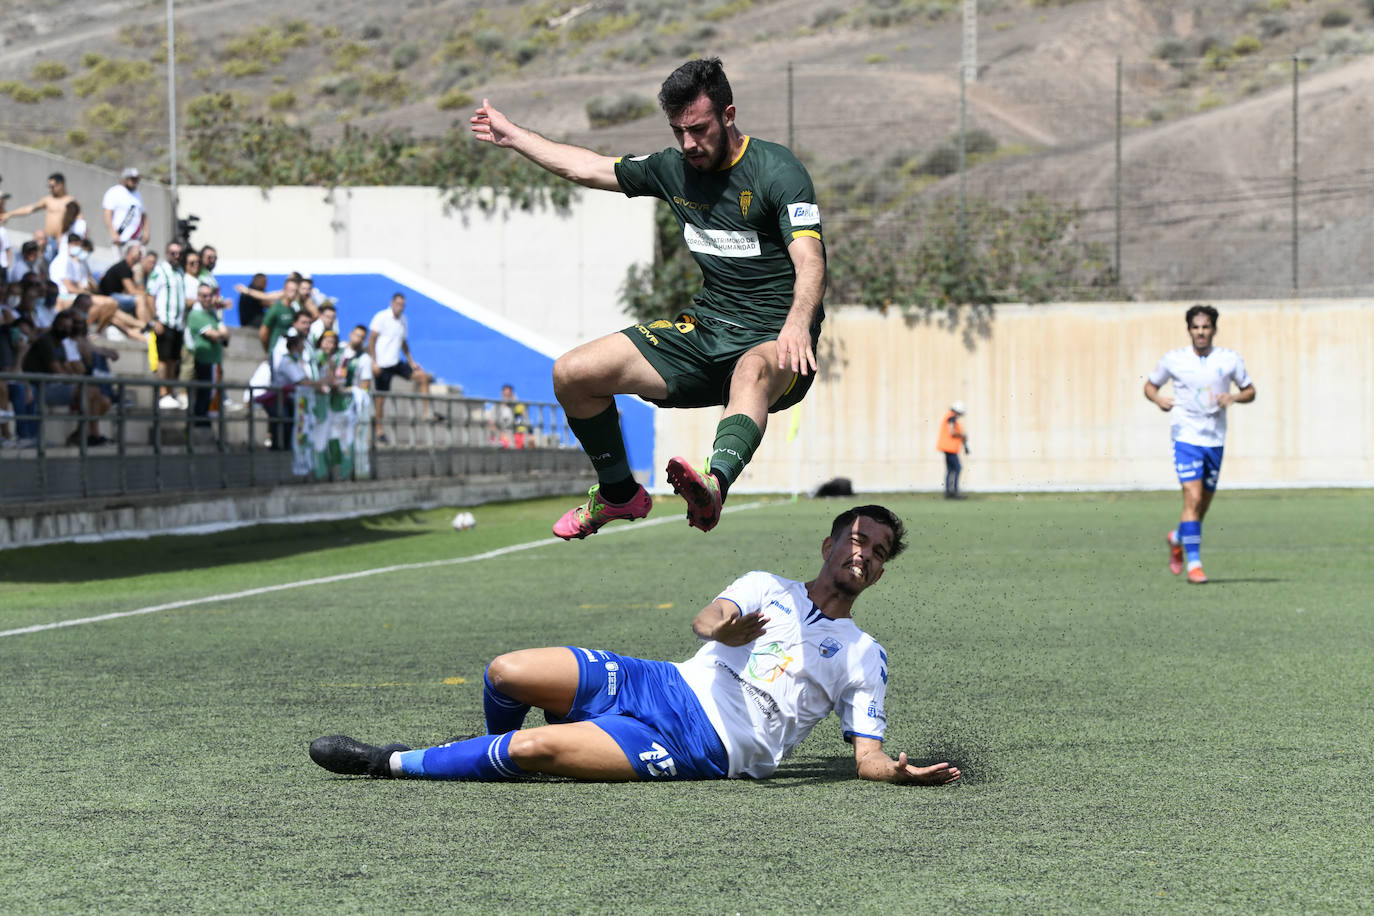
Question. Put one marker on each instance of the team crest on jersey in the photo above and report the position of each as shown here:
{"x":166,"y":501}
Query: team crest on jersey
{"x":745,"y":199}
{"x":768,"y":663}
{"x":829,"y":647}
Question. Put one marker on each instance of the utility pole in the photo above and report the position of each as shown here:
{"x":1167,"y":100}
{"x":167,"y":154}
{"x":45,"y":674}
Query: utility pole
{"x":172,"y":108}
{"x":970,"y":63}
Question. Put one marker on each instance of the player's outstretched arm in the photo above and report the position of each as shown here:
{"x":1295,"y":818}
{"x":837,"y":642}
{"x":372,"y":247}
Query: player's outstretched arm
{"x":873,"y":763}
{"x":721,"y":620}
{"x":586,"y":167}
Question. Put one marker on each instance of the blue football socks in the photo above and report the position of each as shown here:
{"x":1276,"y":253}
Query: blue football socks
{"x":483,"y":758}
{"x":503,"y":714}
{"x":1190,"y":533}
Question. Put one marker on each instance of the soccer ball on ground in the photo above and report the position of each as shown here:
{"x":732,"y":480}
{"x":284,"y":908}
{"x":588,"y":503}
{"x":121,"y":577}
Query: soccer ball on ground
{"x":463,"y":521}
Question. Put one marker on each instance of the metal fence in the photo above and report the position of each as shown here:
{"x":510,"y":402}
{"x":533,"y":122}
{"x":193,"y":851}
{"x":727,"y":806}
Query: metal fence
{"x":1231,"y":174}
{"x":144,"y":447}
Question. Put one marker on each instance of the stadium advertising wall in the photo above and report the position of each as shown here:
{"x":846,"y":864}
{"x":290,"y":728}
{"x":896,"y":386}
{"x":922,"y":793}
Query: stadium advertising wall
{"x":1054,"y":396}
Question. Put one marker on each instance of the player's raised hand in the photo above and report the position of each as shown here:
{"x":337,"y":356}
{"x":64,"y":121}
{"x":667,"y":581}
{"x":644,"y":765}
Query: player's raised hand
{"x":490,"y":126}
{"x":740,"y":630}
{"x":794,"y":349}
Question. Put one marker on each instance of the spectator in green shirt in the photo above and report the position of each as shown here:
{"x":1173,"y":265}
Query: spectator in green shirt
{"x":206,"y":337}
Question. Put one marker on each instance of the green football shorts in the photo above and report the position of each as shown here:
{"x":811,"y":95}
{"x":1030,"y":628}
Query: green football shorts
{"x":696,"y":355}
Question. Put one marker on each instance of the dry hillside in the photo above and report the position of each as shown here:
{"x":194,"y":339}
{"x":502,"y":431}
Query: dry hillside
{"x":1207,"y":159}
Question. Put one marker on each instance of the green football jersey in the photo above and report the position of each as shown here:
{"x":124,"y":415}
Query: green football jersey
{"x":203,"y":350}
{"x":737,"y":222}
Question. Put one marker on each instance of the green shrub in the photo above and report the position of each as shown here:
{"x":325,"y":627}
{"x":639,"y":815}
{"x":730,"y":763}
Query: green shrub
{"x":1246,"y":44}
{"x":979,"y":141}
{"x":490,"y":41}
{"x":51,"y":92}
{"x":49,"y":71}
{"x":347,"y":55}
{"x":385,"y":87}
{"x":241,"y":68}
{"x":941,"y":161}
{"x":90,"y":60}
{"x":282,"y":101}
{"x":78,"y":137}
{"x":524,"y":51}
{"x":109,"y":72}
{"x":1335,"y":19}
{"x":454,"y":99}
{"x":1272,"y":26}
{"x":24,"y":95}
{"x":627,"y":106}
{"x":1173,"y":50}
{"x":827,"y":16}
{"x":403,"y":55}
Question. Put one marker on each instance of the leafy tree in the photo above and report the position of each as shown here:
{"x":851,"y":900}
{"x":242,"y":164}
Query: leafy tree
{"x":228,"y":146}
{"x":665,"y":287}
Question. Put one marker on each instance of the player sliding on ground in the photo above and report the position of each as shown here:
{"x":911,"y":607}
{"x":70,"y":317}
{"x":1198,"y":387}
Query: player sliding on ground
{"x":746,"y":341}
{"x":1202,"y":375}
{"x":779,"y":656}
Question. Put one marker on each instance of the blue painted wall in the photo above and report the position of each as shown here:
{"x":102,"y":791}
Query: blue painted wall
{"x":459,"y":350}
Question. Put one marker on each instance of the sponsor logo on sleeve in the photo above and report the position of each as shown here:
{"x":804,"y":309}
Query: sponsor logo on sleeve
{"x":804,"y":214}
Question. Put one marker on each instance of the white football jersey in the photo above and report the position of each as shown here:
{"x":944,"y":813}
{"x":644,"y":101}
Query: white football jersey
{"x":765,"y":697}
{"x":1198,"y":381}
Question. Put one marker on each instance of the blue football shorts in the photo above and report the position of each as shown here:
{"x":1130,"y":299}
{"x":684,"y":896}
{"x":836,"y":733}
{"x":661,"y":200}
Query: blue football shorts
{"x":1198,"y":462}
{"x":649,"y":710}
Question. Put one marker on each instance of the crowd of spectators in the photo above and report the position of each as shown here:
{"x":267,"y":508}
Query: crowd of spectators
{"x":58,"y":308}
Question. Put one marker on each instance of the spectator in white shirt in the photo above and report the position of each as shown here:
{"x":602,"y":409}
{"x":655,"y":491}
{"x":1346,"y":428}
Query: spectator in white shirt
{"x":125,"y":216}
{"x":387,"y":344}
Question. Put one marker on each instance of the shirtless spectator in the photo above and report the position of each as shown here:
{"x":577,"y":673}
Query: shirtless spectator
{"x":125,"y":216}
{"x":54,"y":207}
{"x":120,"y":285}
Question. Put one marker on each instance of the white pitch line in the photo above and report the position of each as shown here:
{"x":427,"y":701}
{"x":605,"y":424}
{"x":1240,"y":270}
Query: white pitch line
{"x":342,"y":577}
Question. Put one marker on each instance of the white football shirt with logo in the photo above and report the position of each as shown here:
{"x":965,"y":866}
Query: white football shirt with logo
{"x":1197,"y":418}
{"x":765,"y":697}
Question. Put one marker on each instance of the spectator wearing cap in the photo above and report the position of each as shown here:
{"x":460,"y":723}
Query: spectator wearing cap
{"x":951,"y":441}
{"x":125,"y":215}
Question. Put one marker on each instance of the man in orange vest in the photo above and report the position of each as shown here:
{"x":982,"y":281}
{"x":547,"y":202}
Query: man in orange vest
{"x":951,"y":440}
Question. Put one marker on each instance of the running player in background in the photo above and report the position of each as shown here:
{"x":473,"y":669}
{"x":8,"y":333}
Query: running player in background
{"x":1202,"y":375}
{"x":778,"y":657}
{"x":746,"y":341}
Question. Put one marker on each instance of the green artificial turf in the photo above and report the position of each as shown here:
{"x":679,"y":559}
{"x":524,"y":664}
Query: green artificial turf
{"x":1130,"y":743}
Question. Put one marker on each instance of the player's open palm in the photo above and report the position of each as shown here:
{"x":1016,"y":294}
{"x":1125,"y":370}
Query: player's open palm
{"x":741,"y":629}
{"x":937,"y":774}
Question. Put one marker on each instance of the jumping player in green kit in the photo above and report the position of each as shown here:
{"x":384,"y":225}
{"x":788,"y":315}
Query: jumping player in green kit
{"x":747,"y":340}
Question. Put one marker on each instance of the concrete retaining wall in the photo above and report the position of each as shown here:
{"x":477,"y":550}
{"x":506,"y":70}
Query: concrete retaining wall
{"x":1054,"y":395}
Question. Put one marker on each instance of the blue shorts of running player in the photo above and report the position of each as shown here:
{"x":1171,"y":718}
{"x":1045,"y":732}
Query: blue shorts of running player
{"x":1198,"y":462}
{"x":649,"y":710}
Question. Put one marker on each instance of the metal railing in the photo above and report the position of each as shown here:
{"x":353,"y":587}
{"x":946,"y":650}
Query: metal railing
{"x":145,"y":447}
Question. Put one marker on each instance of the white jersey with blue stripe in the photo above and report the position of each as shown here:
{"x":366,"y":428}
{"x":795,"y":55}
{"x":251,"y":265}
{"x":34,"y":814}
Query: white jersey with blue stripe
{"x":1197,"y":418}
{"x":765,"y":697}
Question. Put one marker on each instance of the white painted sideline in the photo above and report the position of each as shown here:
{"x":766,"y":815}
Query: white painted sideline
{"x":343,"y":577}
